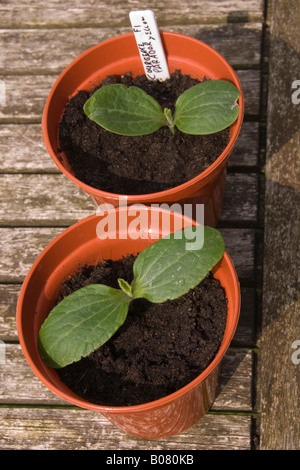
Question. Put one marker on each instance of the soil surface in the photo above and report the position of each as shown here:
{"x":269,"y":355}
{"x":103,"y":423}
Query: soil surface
{"x":142,"y":164}
{"x":159,"y":348}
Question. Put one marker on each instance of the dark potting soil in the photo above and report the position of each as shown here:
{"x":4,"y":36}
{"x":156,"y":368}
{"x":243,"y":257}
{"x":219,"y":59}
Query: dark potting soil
{"x":142,"y":164}
{"x":158,"y":349}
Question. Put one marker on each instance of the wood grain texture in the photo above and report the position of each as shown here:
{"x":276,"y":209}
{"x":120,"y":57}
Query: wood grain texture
{"x":43,"y":51}
{"x":22,"y":245}
{"x":19,"y":249}
{"x":46,"y":199}
{"x":279,"y":373}
{"x":75,"y":429}
{"x":114,"y":13}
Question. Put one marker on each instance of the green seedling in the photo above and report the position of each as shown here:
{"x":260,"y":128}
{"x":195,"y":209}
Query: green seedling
{"x":87,"y":318}
{"x":205,"y":108}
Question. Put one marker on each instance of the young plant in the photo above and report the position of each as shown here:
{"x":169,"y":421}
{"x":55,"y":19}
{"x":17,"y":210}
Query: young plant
{"x":206,"y":108}
{"x":90,"y":316}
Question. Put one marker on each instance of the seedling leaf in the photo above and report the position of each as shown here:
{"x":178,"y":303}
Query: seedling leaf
{"x":126,"y":111}
{"x":80,"y":323}
{"x":207,"y":108}
{"x":167,"y":270}
{"x":125,"y":286}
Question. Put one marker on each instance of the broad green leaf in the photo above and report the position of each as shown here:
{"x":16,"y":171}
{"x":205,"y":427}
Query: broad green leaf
{"x":80,"y":323}
{"x":207,"y":108}
{"x":126,"y":111}
{"x":167,"y":269}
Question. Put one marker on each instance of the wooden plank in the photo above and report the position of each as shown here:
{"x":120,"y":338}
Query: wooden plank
{"x":246,"y":151}
{"x":67,"y":429}
{"x":39,"y":200}
{"x":43,"y":199}
{"x":30,"y":156}
{"x":31,"y":241}
{"x":75,"y":13}
{"x":240,"y":199}
{"x":240,"y":244}
{"x":19,"y":385}
{"x":8,"y":302}
{"x":26,"y":95}
{"x":250,"y":81}
{"x":28,"y":51}
{"x":279,"y":371}
{"x":224,"y":37}
{"x":245,"y":333}
{"x":236,"y":376}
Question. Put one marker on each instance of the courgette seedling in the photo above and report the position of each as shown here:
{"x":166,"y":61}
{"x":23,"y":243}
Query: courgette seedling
{"x":84,"y":320}
{"x":205,"y":108}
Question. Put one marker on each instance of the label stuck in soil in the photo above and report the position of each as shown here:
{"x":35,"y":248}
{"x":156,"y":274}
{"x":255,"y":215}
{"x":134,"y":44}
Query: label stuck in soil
{"x":149,"y":43}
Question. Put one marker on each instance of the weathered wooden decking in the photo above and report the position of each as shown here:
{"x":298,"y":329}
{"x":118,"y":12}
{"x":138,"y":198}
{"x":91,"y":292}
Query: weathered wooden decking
{"x":37,"y":41}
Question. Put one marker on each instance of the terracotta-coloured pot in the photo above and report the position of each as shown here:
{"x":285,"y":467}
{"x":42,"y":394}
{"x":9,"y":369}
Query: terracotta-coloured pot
{"x":118,"y":56}
{"x":79,"y":245}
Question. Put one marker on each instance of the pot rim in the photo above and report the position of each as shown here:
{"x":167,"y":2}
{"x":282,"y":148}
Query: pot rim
{"x":133,"y":408}
{"x":148,"y":196}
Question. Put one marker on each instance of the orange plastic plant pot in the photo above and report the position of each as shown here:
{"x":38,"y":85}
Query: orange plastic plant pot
{"x":118,"y":56}
{"x":79,"y":245}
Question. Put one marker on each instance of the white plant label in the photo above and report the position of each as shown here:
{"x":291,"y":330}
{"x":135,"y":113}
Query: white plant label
{"x":149,"y":43}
